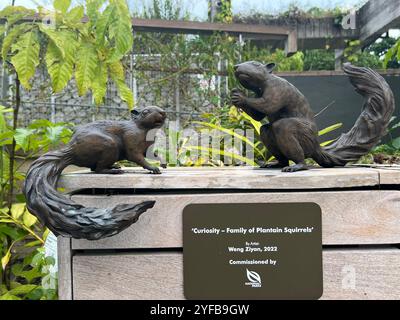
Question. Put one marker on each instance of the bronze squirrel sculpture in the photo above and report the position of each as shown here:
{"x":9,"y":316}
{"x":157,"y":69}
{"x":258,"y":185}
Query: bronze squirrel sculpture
{"x":97,"y":145}
{"x":292,"y":133}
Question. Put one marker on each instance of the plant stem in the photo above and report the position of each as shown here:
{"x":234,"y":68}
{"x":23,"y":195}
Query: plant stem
{"x":14,"y":143}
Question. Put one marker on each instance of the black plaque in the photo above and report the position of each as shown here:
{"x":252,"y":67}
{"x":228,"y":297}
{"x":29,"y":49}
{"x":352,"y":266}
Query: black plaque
{"x":252,"y":251}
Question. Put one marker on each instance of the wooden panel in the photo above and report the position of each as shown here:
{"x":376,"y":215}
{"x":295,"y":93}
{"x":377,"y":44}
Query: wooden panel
{"x":389,"y":176}
{"x":348,"y":274}
{"x":195,"y":27}
{"x":348,"y":217}
{"x":228,"y":178}
{"x":64,"y":268}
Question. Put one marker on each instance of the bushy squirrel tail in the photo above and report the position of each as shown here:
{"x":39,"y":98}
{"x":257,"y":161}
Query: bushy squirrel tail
{"x":64,"y":217}
{"x":370,"y":126}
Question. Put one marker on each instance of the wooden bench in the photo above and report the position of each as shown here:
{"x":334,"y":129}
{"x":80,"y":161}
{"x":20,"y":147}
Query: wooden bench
{"x":360,"y":223}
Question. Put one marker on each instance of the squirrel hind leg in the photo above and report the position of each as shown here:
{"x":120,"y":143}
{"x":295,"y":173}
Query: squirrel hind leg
{"x":295,"y":140}
{"x":268,"y":138}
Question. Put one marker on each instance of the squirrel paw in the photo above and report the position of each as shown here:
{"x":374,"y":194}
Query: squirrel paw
{"x":110,"y":171}
{"x":237,"y":97}
{"x":295,"y":167}
{"x":272,"y":165}
{"x":154,"y":170}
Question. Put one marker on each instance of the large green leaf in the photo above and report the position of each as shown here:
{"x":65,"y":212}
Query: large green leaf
{"x":23,"y":136}
{"x":11,"y":37}
{"x":75,"y":15}
{"x":92,"y":9}
{"x":103,"y":23}
{"x":62,"y":5}
{"x":8,"y":296}
{"x":86,"y":65}
{"x":100,"y":83}
{"x":23,"y":289}
{"x":56,"y":38}
{"x":118,"y":76}
{"x":60,"y":67}
{"x":120,"y":30}
{"x":14,"y":14}
{"x":330,"y":128}
{"x":26,"y":57}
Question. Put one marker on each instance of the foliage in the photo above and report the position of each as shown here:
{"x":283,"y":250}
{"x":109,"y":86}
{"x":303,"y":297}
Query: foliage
{"x":393,"y":54}
{"x":392,"y":147}
{"x":353,"y":54}
{"x":224,"y":11}
{"x":94,"y":51}
{"x":24,"y":270}
{"x":319,"y":59}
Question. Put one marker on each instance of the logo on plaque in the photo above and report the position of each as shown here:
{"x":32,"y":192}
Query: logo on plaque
{"x":252,"y":251}
{"x":254,"y":279}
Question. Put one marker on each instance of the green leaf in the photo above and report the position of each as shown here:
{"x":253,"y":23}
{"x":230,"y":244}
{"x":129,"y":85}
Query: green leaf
{"x":28,"y":219}
{"x":231,"y":133}
{"x":256,"y":124}
{"x":118,"y":76}
{"x":103,"y":23}
{"x":26,"y":57}
{"x":100,"y":84}
{"x":14,"y":14}
{"x":55,"y":37}
{"x":17,"y":210}
{"x":330,"y":128}
{"x":396,"y":143}
{"x":11,"y":232}
{"x":23,"y":289}
{"x":86,"y":66}
{"x":5,"y":259}
{"x":11,"y":38}
{"x":92,"y":8}
{"x":22,"y":137}
{"x":125,"y":93}
{"x":62,"y":5}
{"x":8,"y":296}
{"x":60,"y":69}
{"x":75,"y":15}
{"x":120,"y":30}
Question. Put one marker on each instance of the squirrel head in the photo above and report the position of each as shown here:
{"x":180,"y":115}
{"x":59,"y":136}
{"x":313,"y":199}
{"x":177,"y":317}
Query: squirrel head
{"x":149,"y":117}
{"x":252,"y":74}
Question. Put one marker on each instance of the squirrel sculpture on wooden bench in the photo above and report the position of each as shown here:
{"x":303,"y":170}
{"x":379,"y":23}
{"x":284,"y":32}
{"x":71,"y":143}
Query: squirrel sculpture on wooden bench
{"x":97,"y":145}
{"x":292,"y":133}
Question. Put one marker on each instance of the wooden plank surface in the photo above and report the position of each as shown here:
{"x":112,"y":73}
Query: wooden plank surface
{"x":64,"y":268}
{"x":196,"y":27}
{"x":348,"y":274}
{"x":226,"y":178}
{"x":348,"y":217}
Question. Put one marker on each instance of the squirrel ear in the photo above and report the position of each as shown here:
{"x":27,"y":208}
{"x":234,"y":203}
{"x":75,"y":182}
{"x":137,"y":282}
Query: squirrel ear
{"x":270,"y":66}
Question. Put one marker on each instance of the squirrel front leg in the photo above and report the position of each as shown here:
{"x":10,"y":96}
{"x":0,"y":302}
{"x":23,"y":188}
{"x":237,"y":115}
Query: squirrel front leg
{"x":141,"y":161}
{"x":251,"y":106}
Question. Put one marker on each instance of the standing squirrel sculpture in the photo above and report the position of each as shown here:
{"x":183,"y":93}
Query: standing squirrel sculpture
{"x":292,"y":133}
{"x":97,"y":145}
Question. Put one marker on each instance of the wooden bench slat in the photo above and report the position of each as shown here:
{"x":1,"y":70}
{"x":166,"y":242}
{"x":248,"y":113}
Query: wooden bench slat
{"x":348,"y":217}
{"x":160,"y":275}
{"x":226,"y":178}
